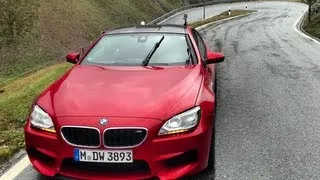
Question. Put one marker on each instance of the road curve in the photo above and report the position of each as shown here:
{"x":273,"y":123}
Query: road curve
{"x":267,"y":121}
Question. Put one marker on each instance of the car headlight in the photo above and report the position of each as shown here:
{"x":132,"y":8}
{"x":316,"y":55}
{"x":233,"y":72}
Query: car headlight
{"x":41,"y":120}
{"x":183,"y":122}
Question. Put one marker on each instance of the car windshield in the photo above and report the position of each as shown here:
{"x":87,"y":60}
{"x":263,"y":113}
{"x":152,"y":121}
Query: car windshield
{"x":132,"y":49}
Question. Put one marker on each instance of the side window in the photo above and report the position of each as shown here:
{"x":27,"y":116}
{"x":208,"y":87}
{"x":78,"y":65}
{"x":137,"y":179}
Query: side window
{"x":201,"y":45}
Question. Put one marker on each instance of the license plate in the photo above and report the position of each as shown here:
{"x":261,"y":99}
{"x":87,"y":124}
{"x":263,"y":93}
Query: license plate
{"x":103,"y":156}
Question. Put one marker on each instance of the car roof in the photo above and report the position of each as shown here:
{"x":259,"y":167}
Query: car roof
{"x":168,"y":28}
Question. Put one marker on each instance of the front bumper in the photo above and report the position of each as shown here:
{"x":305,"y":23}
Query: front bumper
{"x":169,"y":157}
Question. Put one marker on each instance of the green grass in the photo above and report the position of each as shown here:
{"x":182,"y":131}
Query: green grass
{"x":313,"y":27}
{"x":15,"y":102}
{"x":221,"y":16}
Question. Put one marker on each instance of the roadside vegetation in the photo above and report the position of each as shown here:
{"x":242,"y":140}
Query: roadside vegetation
{"x":313,"y":27}
{"x":15,"y":102}
{"x":312,"y":24}
{"x":221,"y":16}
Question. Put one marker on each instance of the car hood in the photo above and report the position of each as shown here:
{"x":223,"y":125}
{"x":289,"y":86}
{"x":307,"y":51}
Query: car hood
{"x":143,"y":92}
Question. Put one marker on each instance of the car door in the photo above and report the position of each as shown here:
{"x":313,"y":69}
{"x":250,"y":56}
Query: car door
{"x":208,"y":69}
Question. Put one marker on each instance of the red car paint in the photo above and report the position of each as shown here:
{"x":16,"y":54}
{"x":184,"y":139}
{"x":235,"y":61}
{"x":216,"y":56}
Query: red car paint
{"x":127,"y":96}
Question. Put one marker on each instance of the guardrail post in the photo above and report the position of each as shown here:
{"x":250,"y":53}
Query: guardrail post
{"x":204,"y":10}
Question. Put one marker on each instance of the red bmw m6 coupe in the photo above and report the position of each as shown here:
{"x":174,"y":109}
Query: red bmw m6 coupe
{"x":138,"y":104}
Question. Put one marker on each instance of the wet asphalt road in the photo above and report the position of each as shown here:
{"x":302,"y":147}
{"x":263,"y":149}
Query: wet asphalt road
{"x":268,"y":116}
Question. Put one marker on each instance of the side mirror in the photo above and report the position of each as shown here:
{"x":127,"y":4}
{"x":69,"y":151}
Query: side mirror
{"x":213,"y":57}
{"x":73,"y":58}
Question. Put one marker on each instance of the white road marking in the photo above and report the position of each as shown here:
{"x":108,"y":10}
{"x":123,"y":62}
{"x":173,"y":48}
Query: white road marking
{"x":16,"y":169}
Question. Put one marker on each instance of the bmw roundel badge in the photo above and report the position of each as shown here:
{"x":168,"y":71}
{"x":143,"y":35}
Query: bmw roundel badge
{"x":104,"y":121}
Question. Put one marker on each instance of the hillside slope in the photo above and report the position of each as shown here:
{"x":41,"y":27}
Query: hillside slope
{"x":37,"y":32}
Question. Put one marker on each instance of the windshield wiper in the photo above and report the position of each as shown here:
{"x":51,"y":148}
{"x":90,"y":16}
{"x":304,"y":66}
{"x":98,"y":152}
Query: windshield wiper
{"x":146,"y":60}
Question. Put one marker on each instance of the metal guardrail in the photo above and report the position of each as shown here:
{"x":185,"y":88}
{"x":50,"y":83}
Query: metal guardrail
{"x":181,"y":9}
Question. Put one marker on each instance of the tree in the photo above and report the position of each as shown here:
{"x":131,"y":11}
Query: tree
{"x":310,"y":3}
